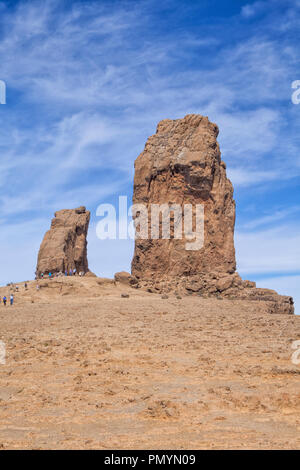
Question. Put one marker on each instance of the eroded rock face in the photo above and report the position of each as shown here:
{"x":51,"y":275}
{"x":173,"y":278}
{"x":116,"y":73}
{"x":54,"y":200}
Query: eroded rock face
{"x":64,"y":246}
{"x":123,"y":277}
{"x":181,"y":165}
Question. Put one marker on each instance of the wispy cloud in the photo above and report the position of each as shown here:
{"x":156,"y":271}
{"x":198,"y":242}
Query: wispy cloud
{"x":272,"y":250}
{"x":252,"y":9}
{"x":249,"y":177}
{"x":274,"y":217}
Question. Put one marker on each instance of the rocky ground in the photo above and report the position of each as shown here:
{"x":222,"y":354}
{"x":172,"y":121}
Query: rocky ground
{"x":87,"y":368}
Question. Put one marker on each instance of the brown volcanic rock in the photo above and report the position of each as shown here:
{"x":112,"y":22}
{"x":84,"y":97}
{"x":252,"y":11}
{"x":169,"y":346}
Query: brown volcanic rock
{"x":181,"y":164}
{"x":64,"y":246}
{"x":125,"y":278}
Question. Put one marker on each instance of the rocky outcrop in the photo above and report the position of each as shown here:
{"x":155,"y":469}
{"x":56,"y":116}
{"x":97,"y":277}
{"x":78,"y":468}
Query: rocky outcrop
{"x":181,"y":164}
{"x":181,"y":167}
{"x":123,"y":277}
{"x":64,"y":246}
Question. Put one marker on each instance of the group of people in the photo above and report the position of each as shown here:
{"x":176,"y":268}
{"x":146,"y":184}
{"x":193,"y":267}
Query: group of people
{"x":4,"y":300}
{"x":70,"y":272}
{"x":13,"y":288}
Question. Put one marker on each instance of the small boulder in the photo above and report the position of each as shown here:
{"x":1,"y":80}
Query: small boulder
{"x":125,"y":278}
{"x":224,"y":283}
{"x":249,"y":284}
{"x":90,"y":274}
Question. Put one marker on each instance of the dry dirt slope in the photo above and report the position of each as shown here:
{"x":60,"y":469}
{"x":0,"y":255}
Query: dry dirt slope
{"x":86,"y":368}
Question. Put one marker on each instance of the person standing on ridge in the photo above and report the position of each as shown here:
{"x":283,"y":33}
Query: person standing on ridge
{"x":11,"y":299}
{"x":4,"y":301}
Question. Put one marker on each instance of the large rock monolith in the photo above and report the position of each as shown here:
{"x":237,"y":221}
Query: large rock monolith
{"x":181,"y":166}
{"x":64,"y":246}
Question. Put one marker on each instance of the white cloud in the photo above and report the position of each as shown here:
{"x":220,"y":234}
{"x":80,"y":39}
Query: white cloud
{"x":247,"y":177}
{"x":272,"y":218}
{"x":46,"y":168}
{"x":275,"y":250}
{"x":252,"y":9}
{"x":248,"y":135}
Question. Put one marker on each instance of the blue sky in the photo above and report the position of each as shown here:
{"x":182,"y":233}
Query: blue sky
{"x":87,"y":83}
